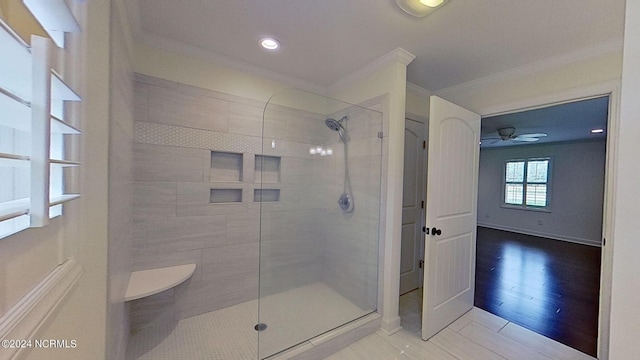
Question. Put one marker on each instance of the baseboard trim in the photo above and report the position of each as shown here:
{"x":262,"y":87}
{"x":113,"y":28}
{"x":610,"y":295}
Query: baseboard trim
{"x":542,"y":234}
{"x":24,"y":320}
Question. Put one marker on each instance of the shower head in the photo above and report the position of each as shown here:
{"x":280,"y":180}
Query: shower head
{"x":334,"y":124}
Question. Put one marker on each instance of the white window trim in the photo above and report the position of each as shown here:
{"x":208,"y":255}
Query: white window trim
{"x":524,"y":205}
{"x":46,"y":86}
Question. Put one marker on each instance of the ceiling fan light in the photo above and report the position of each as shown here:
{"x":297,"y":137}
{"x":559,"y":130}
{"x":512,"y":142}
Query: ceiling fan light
{"x":506,"y":132}
{"x":419,"y":8}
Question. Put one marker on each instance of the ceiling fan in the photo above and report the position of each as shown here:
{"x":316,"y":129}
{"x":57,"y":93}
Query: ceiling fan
{"x":509,"y":134}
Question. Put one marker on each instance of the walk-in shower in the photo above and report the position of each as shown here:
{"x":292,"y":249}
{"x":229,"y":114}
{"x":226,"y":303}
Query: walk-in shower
{"x":249,"y":196}
{"x":318,"y":267}
{"x":346,"y":200}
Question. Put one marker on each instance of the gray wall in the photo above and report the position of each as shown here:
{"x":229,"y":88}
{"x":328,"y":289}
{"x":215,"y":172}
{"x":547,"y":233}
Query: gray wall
{"x":577,"y":192}
{"x":176,"y":129}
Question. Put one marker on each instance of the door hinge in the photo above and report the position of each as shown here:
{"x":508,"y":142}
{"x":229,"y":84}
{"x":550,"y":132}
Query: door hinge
{"x":421,"y":264}
{"x":424,"y":144}
{"x":604,"y":241}
{"x":422,"y":205}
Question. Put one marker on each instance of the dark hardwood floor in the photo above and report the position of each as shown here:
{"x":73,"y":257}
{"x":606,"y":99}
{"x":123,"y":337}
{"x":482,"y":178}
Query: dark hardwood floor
{"x":548,"y":286}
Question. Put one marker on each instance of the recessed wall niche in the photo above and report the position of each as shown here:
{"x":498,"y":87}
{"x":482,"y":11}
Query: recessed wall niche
{"x":226,"y":167}
{"x":218,"y":196}
{"x":266,"y":195}
{"x":267,"y":169}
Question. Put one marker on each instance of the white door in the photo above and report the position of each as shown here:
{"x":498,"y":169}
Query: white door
{"x":412,"y":206}
{"x":452,"y":186}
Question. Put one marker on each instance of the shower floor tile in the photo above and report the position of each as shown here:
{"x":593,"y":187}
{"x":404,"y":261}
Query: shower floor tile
{"x":228,"y":334}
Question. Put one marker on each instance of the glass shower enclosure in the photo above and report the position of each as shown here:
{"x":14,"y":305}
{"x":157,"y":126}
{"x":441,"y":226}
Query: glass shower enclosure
{"x":319,"y":196}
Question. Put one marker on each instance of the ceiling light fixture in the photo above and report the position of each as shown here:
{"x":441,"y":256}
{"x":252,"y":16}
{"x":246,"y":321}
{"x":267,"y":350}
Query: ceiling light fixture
{"x":419,"y":8}
{"x":597,"y":131}
{"x":269,"y":43}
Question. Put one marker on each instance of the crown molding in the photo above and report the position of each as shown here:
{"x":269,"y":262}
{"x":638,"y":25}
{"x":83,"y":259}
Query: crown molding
{"x":181,"y":48}
{"x":418,"y":90}
{"x":604,"y":48}
{"x":398,"y":55}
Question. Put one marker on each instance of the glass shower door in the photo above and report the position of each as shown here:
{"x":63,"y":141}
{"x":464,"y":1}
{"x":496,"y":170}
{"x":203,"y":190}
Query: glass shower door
{"x":319,"y":197}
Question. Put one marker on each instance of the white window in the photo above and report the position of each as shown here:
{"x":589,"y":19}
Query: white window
{"x":15,"y":132}
{"x":33,"y":133}
{"x":527,"y":183}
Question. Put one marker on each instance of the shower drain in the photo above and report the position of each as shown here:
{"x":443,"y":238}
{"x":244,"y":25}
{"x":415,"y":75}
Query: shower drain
{"x":260,"y":327}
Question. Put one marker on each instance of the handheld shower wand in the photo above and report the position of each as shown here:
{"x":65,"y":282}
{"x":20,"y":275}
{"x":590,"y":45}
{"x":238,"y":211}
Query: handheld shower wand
{"x":345,"y":201}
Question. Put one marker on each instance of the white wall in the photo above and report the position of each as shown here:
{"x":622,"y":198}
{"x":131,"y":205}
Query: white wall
{"x":625,"y":312}
{"x":120,"y":181}
{"x":389,"y":81}
{"x":82,"y":317}
{"x":417,"y":103}
{"x":191,"y":71}
{"x":484,"y":95}
{"x":576,"y":192}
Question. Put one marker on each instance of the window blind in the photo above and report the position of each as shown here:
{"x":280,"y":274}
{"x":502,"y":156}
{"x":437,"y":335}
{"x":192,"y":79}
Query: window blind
{"x":33,"y":130}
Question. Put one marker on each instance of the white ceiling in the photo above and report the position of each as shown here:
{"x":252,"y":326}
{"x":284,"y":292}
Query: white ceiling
{"x":325,"y":40}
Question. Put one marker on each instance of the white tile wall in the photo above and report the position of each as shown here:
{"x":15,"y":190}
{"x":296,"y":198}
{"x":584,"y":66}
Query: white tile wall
{"x":151,"y":198}
{"x":172,"y":107}
{"x":167,"y":163}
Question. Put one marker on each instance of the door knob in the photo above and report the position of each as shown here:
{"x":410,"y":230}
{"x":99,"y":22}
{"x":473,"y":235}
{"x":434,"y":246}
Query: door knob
{"x":435,"y":231}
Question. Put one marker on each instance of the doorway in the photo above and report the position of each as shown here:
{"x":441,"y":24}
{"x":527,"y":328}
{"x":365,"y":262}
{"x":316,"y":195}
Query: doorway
{"x":413,"y":201}
{"x":600,"y":232}
{"x":542,"y":182}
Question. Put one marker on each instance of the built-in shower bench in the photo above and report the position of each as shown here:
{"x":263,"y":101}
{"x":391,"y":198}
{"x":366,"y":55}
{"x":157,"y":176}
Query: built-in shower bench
{"x":149,"y":282}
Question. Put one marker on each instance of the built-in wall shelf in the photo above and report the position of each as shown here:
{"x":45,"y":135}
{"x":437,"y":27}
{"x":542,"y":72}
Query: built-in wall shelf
{"x":267,"y":169}
{"x":153,"y":281}
{"x":266,"y":195}
{"x":226,"y":167}
{"x":219,"y":196}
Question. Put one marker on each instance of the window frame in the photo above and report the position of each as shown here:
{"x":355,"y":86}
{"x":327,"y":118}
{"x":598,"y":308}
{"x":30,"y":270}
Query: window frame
{"x":44,"y":95}
{"x":524,"y":206}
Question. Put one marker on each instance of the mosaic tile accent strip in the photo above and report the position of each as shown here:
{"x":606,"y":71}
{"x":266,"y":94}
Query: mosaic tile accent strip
{"x":171,"y":135}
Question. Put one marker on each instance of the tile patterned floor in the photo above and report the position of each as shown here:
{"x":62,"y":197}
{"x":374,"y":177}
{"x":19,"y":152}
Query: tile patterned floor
{"x":228,"y":334}
{"x":477,"y":335}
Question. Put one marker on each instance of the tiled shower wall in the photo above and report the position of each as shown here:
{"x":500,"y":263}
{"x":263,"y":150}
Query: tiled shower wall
{"x":188,"y":141}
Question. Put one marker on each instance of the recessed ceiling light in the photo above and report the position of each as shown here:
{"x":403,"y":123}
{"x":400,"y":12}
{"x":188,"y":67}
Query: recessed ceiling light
{"x":597,"y":131}
{"x":269,"y":43}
